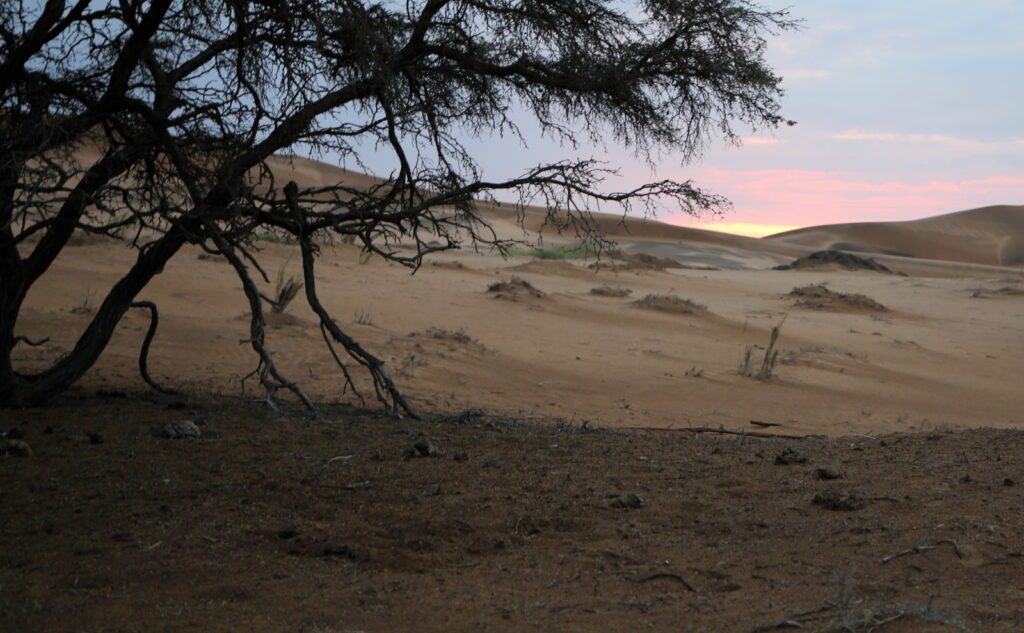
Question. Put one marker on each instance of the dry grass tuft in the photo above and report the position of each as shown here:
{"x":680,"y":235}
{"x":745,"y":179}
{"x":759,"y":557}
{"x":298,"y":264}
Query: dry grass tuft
{"x":285,"y":290}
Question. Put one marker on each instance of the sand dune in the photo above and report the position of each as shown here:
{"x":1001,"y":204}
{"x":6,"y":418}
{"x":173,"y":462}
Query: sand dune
{"x":945,"y":351}
{"x":989,"y":235}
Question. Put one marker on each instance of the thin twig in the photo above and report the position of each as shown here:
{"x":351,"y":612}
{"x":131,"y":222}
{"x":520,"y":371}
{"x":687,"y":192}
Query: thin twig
{"x":27,"y":341}
{"x":791,"y":622}
{"x":917,"y":549}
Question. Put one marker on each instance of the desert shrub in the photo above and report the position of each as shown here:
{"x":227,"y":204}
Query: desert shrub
{"x":669,"y":303}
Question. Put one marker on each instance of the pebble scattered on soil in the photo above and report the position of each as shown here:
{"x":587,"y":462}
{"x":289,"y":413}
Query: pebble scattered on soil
{"x":15,"y":448}
{"x":182,"y":429}
{"x":828,"y":472}
{"x":423,"y":448}
{"x":791,"y":456}
{"x":630,"y":500}
{"x":835,"y":500}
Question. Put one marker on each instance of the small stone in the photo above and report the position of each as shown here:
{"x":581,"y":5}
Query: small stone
{"x":966,"y":479}
{"x":341,"y":550}
{"x":630,"y":500}
{"x":460,"y":457}
{"x":15,"y":434}
{"x":834,"y":500}
{"x":289,"y":531}
{"x":828,"y":472}
{"x":183,"y":429}
{"x":423,"y":448}
{"x":791,"y":456}
{"x":1009,"y":482}
{"x":526,"y":526}
{"x":94,"y":437}
{"x":16,"y":448}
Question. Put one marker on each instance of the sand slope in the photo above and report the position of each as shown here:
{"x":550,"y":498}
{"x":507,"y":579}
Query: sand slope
{"x":989,"y":235}
{"x":945,"y":351}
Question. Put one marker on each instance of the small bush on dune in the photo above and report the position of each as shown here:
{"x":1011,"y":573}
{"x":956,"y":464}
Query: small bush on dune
{"x":818,"y":296}
{"x":513,"y":289}
{"x":580,"y":250}
{"x":669,"y":303}
{"x":609,"y":291}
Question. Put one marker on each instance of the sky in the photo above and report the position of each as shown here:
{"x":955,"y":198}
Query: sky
{"x":905,"y":109}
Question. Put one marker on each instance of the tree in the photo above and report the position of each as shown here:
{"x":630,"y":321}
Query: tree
{"x":184,"y":102}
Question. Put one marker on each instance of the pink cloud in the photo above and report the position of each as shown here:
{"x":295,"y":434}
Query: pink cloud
{"x":806,"y":197}
{"x":859,"y":135}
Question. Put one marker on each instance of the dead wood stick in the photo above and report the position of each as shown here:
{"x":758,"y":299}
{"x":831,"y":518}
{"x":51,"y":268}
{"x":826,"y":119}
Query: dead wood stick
{"x":917,"y":549}
{"x":27,"y":341}
{"x":765,"y":424}
{"x":707,"y":429}
{"x":673,"y":576}
{"x":792,"y":622}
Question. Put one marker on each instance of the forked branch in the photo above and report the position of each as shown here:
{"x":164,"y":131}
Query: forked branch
{"x":269,"y":376}
{"x":385,"y":389}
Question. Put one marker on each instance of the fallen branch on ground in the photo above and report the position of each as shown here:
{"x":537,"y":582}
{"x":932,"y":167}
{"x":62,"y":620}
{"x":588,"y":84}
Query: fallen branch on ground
{"x":707,"y":429}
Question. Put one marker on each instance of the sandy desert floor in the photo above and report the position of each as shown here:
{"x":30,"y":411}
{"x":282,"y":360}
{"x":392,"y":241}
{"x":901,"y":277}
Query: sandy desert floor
{"x":939,"y":348}
{"x":528,"y":518}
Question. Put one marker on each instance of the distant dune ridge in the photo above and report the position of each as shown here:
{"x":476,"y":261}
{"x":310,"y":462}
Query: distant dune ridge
{"x":992,"y":236}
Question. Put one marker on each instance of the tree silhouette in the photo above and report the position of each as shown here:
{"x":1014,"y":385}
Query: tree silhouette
{"x":153,"y":122}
